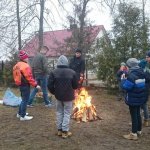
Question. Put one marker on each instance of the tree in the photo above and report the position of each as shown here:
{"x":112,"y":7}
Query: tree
{"x":80,"y":25}
{"x":42,"y":2}
{"x":126,"y":42}
{"x":127,"y":31}
{"x":19,"y":27}
{"x":145,"y":28}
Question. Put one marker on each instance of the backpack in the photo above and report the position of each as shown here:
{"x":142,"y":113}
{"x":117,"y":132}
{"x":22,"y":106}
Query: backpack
{"x":17,"y":74}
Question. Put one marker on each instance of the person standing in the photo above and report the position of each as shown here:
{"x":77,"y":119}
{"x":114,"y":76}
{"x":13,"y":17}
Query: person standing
{"x":23,"y":78}
{"x":40,"y":72}
{"x":77,"y":63}
{"x":136,"y":96}
{"x":122,"y":72}
{"x":145,"y":64}
{"x":62,"y":82}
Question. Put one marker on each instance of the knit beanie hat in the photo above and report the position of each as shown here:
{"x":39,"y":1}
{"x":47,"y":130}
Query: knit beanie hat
{"x":77,"y":50}
{"x":132,"y":62}
{"x":23,"y":55}
{"x":62,"y":61}
{"x":148,"y":53}
{"x":123,"y":64}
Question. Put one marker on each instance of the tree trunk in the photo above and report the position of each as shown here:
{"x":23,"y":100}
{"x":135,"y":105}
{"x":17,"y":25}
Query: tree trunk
{"x":145,"y":45}
{"x":82,"y":23}
{"x":42,"y":2}
{"x":19,"y":27}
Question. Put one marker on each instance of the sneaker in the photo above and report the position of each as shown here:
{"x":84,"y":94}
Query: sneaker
{"x":131,"y":136}
{"x":66,"y":134}
{"x":30,"y":105}
{"x":49,"y":105}
{"x":25,"y":118}
{"x":139,"y":133}
{"x":18,"y":116}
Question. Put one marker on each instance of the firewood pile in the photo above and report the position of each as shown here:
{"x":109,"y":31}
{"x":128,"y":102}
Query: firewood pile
{"x":83,"y":109}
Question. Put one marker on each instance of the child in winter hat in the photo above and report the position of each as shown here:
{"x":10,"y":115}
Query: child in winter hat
{"x":132,"y":62}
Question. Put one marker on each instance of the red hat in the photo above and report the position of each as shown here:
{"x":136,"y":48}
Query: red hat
{"x":23,"y":55}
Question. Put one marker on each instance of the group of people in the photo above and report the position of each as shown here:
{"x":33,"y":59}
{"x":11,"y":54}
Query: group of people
{"x":61,"y":82}
{"x":134,"y":80}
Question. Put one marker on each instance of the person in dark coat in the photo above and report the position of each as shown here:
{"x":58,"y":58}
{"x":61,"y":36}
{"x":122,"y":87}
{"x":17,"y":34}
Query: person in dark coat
{"x":145,"y":65}
{"x":77,"y":63}
{"x":40,"y":71}
{"x":62,"y":82}
{"x":136,"y":90}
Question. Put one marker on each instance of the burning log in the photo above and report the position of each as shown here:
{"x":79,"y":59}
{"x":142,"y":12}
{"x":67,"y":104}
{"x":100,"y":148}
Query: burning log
{"x":83,"y":109}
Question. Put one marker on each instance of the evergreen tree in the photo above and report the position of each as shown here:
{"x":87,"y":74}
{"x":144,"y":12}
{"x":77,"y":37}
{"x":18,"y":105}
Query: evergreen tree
{"x":126,"y":42}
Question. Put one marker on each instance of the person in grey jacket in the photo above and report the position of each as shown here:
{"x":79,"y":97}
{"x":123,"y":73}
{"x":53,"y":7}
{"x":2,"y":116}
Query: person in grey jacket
{"x":40,"y":72}
{"x":62,"y":82}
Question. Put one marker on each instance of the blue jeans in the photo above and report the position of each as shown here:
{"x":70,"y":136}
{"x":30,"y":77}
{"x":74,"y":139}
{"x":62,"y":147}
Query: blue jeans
{"x":136,"y":118}
{"x":63,"y":113}
{"x":25,"y":94}
{"x":42,"y":81}
{"x":145,"y":111}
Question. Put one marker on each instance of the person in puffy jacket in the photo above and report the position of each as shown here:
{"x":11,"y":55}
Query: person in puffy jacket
{"x":136,"y":90}
{"x":62,"y":82}
{"x":24,"y":85}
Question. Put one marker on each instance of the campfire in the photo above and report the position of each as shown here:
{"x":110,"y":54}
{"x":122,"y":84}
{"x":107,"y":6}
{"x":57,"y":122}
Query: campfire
{"x":83,"y":109}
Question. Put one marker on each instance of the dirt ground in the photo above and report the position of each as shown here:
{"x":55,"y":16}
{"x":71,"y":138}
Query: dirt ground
{"x":39,"y":133}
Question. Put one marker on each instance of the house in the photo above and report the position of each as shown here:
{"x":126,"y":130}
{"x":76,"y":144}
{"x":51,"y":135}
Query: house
{"x":56,"y":41}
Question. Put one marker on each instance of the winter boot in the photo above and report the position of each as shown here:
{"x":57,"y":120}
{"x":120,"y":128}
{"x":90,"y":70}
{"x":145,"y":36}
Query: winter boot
{"x":146,"y":123}
{"x":59,"y":132}
{"x":131,"y":136}
{"x":66,"y":134}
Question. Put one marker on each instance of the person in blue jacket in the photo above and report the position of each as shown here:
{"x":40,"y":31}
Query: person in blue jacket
{"x":136,"y":95}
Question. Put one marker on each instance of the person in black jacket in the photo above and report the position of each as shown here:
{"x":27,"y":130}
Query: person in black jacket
{"x":136,"y":96}
{"x":62,"y":82}
{"x":77,"y":63}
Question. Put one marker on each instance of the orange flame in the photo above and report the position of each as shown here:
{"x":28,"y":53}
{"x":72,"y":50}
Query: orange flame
{"x":83,"y":109}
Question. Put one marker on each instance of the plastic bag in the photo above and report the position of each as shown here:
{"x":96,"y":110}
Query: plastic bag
{"x":11,"y":99}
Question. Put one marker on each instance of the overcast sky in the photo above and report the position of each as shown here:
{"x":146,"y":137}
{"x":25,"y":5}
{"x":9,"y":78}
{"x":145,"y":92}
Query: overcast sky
{"x":99,"y":15}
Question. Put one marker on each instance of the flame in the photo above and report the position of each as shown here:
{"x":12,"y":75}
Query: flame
{"x":83,"y":109}
{"x":88,"y":101}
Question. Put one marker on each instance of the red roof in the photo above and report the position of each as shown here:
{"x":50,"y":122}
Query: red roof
{"x":54,"y":40}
